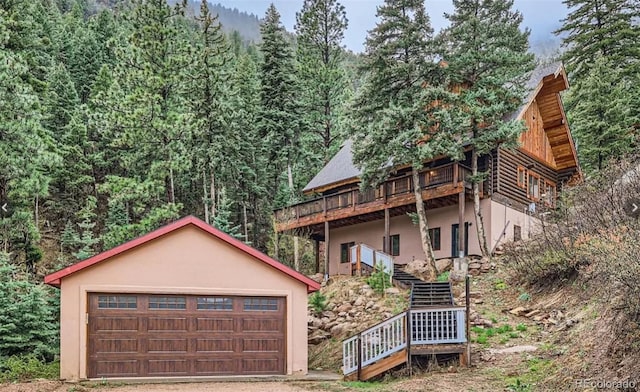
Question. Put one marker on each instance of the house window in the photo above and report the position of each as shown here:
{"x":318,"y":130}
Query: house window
{"x":261,"y":304}
{"x":549,"y":193}
{"x":517,"y":233}
{"x":117,"y":302}
{"x":522,"y":177}
{"x":345,"y":252}
{"x":395,"y":245}
{"x":214,"y":303}
{"x":434,"y":236}
{"x":167,"y":302}
{"x":533,"y":191}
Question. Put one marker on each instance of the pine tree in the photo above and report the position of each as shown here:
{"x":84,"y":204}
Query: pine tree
{"x":602,"y":118}
{"x":86,"y":238}
{"x":279,"y":122}
{"x":223,"y":220}
{"x":320,"y":26}
{"x":392,"y":112}
{"x":487,"y":60}
{"x":595,"y":28}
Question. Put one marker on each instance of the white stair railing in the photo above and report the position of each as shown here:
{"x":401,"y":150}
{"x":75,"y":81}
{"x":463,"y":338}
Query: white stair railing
{"x":438,"y":326}
{"x":372,"y":257}
{"x":375,"y":343}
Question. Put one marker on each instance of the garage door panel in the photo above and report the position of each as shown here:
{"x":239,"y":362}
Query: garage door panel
{"x":215,"y":366}
{"x":260,"y":365}
{"x":116,"y":346}
{"x":128,"y":337}
{"x":167,"y":345}
{"x":168,"y":367}
{"x":215,"y":324}
{"x":115,"y":324}
{"x":214,"y":345}
{"x":167,"y":324}
{"x":262,"y":345}
{"x":261,"y":325}
{"x":118,"y":368}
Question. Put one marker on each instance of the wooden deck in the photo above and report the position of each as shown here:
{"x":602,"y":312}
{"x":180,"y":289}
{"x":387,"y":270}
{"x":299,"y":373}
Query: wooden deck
{"x":441,"y":184}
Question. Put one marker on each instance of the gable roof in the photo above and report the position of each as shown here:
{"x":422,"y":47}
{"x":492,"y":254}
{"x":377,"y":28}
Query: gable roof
{"x":55,"y":278}
{"x":341,"y":169}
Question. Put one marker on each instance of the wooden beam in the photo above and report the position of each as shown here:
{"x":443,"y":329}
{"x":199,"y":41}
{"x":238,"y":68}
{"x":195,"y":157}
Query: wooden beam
{"x":387,"y":239}
{"x":317,"y":253}
{"x":461,"y":205}
{"x":326,"y":248}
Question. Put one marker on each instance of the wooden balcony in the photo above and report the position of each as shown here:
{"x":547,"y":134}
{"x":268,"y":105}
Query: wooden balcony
{"x":439,"y":182}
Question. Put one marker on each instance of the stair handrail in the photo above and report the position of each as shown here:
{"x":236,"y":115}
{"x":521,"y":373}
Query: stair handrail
{"x":374,"y":343}
{"x":377,"y":257}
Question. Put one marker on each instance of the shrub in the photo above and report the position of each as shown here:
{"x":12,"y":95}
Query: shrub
{"x":27,"y":325}
{"x":379,"y":280}
{"x":443,"y":277}
{"x":521,"y":327}
{"x":27,"y":367}
{"x":318,"y":302}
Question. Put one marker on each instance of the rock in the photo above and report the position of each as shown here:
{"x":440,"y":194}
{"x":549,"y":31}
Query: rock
{"x":344,"y":308}
{"x":392,"y":290}
{"x":474,"y":294}
{"x":329,"y":314}
{"x":342,"y":314}
{"x":452,"y":369}
{"x":486,"y":356}
{"x":519,"y":311}
{"x":358,"y":302}
{"x":369,"y":305}
{"x":318,"y":336}
{"x":538,"y":318}
{"x":493,"y":265}
{"x":478,"y":301}
{"x":315,"y":322}
{"x":532,"y":313}
{"x":474,"y":265}
{"x":444,"y":265}
{"x":486,"y":323}
{"x":485,"y":267}
{"x":337,"y":330}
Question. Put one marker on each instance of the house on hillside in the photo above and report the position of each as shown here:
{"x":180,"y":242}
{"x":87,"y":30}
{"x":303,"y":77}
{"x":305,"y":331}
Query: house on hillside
{"x":520,"y":181}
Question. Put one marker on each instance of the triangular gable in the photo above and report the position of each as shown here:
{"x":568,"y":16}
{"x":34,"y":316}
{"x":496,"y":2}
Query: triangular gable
{"x":55,"y":278}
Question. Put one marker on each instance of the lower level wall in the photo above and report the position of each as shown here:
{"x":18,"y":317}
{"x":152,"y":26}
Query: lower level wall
{"x":509,"y":223}
{"x":372,"y":234}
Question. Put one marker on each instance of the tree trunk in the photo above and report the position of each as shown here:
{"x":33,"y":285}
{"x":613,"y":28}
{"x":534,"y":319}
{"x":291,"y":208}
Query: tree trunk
{"x":424,"y":226}
{"x":205,"y":197}
{"x":246,"y":224}
{"x":37,"y":212}
{"x":212,"y":196}
{"x":482,"y":238}
{"x":296,"y":244}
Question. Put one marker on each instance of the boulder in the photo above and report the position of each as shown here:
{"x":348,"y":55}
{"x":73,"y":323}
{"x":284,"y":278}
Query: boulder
{"x":318,"y":336}
{"x":392,"y":290}
{"x":444,"y":265}
{"x":337,"y":330}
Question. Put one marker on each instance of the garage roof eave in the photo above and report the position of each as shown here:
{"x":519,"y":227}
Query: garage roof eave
{"x":55,"y":279}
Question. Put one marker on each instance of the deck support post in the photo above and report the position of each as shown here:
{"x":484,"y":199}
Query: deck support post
{"x":461,"y":226}
{"x":386,"y":247}
{"x":359,"y":374}
{"x":317,"y":254}
{"x":359,"y":260}
{"x":467,"y":292}
{"x":326,"y":250}
{"x":409,"y":334}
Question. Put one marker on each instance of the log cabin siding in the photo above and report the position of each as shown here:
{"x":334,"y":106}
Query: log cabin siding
{"x":508,"y":163}
{"x":535,"y":140}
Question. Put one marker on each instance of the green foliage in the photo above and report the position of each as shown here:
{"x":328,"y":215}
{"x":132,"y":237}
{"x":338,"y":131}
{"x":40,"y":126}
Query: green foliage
{"x":379,"y":279}
{"x":443,"y":277}
{"x":518,"y":386}
{"x":524,"y":297}
{"x":318,"y":302}
{"x":521,"y":327}
{"x":26,"y":321}
{"x":21,"y":368}
{"x":500,"y":284}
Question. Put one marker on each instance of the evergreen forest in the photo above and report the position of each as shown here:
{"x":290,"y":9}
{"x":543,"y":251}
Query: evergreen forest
{"x":120,"y":116}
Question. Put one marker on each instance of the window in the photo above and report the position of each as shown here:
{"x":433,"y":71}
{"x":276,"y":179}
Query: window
{"x":395,"y":245}
{"x":167,"y":302}
{"x":260,"y":304}
{"x":434,"y":236}
{"x":517,"y":233}
{"x":117,"y":302}
{"x":549,"y":193}
{"x":533,"y":191}
{"x":522,"y":177}
{"x":345,"y":251}
{"x":214,"y":303}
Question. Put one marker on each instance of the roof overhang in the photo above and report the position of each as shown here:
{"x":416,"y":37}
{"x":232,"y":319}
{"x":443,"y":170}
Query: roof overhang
{"x":55,"y":279}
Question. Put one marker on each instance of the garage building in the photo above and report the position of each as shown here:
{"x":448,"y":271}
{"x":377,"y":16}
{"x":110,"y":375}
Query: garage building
{"x":186,"y":300}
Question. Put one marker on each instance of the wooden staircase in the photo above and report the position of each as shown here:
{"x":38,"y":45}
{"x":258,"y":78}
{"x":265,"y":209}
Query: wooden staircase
{"x":431,"y":325}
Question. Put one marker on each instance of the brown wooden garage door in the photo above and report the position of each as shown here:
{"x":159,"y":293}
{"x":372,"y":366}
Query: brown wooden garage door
{"x":140,"y":335}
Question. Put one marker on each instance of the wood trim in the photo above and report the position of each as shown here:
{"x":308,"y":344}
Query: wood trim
{"x":522,"y":184}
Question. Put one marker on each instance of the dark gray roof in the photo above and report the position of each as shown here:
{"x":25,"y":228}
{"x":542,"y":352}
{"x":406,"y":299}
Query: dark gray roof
{"x":339,"y":168}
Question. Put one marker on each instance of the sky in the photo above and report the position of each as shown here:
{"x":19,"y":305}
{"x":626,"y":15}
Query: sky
{"x":541,"y":16}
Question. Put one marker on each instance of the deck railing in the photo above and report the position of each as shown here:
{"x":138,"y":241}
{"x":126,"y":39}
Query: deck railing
{"x":451,"y":173}
{"x":428,"y":326}
{"x":438,"y":326}
{"x":375,"y":343}
{"x":365,"y":254}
